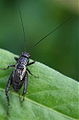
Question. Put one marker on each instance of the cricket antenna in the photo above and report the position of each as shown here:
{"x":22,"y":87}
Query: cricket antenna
{"x":52,"y":31}
{"x":20,"y":14}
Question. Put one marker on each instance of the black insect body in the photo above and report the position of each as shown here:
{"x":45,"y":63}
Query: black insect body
{"x":19,"y":76}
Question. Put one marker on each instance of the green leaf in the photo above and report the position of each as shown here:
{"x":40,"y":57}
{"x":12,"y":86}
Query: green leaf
{"x":51,"y":96}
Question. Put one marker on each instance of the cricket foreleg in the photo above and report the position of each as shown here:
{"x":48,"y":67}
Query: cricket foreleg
{"x":7,"y":67}
{"x":16,"y":58}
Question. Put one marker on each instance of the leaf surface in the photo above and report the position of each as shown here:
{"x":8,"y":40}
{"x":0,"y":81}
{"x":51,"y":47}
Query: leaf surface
{"x":50,"y":96}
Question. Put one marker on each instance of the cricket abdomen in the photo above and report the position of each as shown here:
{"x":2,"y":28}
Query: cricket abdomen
{"x":18,"y":79}
{"x":17,"y":85}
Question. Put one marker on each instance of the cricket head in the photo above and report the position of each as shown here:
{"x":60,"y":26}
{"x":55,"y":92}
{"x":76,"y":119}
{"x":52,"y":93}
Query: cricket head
{"x":25,"y":54}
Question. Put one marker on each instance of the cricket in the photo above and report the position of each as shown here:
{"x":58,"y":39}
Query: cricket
{"x":19,"y":76}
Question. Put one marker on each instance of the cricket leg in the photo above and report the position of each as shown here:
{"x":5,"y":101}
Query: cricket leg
{"x":31,"y":63}
{"x":7,"y":67}
{"x":25,"y":85}
{"x":16,"y":58}
{"x":7,"y":90}
{"x":31,"y":73}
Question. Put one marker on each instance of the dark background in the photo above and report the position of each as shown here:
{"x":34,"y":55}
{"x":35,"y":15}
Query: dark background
{"x":60,"y":49}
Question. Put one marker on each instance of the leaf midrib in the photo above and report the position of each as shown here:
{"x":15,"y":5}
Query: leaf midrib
{"x":41,"y":105}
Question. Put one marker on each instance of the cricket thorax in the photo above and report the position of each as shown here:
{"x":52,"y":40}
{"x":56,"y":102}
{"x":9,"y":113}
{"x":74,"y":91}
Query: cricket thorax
{"x":20,"y":71}
{"x":23,"y":61}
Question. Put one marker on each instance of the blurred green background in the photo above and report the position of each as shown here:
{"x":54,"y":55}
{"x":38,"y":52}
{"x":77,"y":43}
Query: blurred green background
{"x":60,"y":49}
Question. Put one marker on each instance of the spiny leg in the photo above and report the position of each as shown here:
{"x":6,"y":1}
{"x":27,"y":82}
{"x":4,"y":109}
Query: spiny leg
{"x":7,"y":92}
{"x":25,"y":85}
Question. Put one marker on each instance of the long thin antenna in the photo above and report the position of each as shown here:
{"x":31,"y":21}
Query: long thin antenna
{"x":22,"y":26}
{"x":54,"y":30}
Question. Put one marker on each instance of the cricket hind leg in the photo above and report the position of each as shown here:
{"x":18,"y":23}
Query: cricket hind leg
{"x":7,"y":91}
{"x":25,"y":85}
